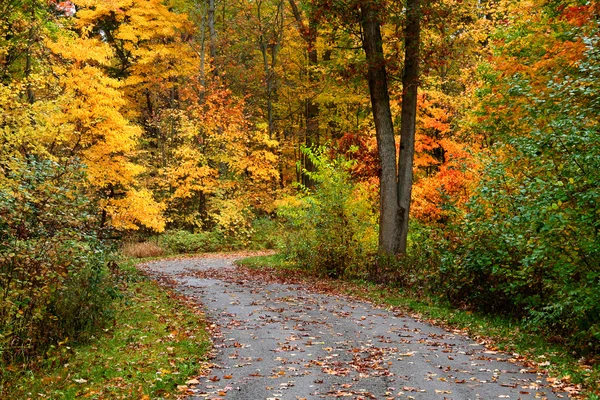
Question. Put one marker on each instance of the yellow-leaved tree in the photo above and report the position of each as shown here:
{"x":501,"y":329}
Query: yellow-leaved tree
{"x":204,"y":159}
{"x":59,"y":103}
{"x":94,"y":129}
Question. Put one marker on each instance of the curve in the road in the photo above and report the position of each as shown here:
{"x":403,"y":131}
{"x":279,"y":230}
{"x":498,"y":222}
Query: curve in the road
{"x":284,"y":342}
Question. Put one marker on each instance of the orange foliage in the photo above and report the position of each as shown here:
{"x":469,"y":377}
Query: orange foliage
{"x":452,"y":184}
{"x":362,"y":149}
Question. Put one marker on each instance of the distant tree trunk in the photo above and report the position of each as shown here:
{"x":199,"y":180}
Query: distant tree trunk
{"x":203,"y":20}
{"x":211,"y":30}
{"x":309,"y":34}
{"x":410,"y":83}
{"x":312,"y":107}
{"x":384,"y":128}
{"x":270,"y":39}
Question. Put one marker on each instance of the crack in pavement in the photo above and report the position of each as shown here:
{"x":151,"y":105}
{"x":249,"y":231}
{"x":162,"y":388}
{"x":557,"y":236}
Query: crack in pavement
{"x":283,"y":341}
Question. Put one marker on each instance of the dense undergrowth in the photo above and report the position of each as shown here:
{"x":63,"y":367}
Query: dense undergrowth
{"x":54,"y":280}
{"x":73,"y":322}
{"x":155,"y":344}
{"x":263,"y":234}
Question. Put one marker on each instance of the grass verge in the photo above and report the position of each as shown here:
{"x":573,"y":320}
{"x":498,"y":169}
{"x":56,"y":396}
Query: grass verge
{"x":532,"y":349}
{"x":155,"y":345}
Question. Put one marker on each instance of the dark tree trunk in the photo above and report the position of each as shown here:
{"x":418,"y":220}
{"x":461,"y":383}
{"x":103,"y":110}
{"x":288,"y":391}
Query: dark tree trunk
{"x":311,"y":137}
{"x":312,"y":108}
{"x":410,"y":83}
{"x":384,"y":128}
{"x":211,"y":30}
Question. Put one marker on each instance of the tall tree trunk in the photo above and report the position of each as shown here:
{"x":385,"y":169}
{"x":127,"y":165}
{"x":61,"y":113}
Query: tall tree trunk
{"x":211,"y":30}
{"x":270,"y":39}
{"x":384,"y":128}
{"x":203,"y":19}
{"x":312,"y":107}
{"x":309,"y":34}
{"x":410,"y":83}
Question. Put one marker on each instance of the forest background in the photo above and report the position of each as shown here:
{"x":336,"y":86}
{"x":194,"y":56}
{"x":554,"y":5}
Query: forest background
{"x":187,"y":126}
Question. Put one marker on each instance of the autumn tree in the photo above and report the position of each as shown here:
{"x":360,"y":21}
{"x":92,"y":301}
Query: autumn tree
{"x":396,"y":185}
{"x":197,"y":145}
{"x":53,"y":272}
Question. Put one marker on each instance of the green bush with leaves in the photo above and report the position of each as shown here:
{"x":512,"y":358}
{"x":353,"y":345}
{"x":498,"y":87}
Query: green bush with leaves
{"x":530,"y":243}
{"x":185,"y":242}
{"x":54,"y":283}
{"x":265,"y":233}
{"x":332,"y":229}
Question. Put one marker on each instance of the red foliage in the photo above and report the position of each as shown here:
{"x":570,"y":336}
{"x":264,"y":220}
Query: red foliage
{"x":578,"y":15}
{"x":354,"y":146}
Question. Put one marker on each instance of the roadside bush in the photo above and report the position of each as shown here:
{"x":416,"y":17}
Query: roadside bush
{"x":184,"y":242}
{"x":419,"y":270}
{"x":266,"y":234}
{"x":54,"y":281}
{"x":331,"y":229}
{"x":529,"y":244}
{"x":261,"y":234}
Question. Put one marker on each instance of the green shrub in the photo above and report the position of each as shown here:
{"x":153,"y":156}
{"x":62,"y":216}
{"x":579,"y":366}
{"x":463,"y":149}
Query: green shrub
{"x":331,"y":229}
{"x":52,"y":267}
{"x":529,"y":244}
{"x":184,"y":242}
{"x":266,"y":233}
{"x":262,"y":234}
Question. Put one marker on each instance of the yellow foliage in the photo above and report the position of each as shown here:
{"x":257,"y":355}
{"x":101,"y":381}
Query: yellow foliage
{"x":135,"y":208}
{"x":75,"y":113}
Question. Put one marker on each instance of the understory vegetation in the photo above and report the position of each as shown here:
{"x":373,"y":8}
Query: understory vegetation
{"x":154,"y":344}
{"x":54,"y":277}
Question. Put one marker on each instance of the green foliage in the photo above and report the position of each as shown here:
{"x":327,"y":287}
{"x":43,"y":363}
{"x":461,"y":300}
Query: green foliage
{"x":418,"y":271}
{"x":184,"y":242}
{"x":529,"y":243}
{"x":332,"y":229}
{"x":537,"y":210}
{"x":157,"y":342}
{"x":52,"y":267}
{"x":265,"y":233}
{"x":261,"y":234}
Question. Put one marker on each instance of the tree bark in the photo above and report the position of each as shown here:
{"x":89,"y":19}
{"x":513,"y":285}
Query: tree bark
{"x":312,"y":108}
{"x":311,"y":138}
{"x":410,"y":83}
{"x":384,"y":128}
{"x":211,"y":30}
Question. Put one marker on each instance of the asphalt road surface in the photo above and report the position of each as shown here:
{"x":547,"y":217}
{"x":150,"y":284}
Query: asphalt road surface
{"x":282,"y":341}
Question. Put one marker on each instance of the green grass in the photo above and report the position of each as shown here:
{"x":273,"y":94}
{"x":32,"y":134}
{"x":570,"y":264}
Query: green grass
{"x":497,"y":332}
{"x":156,"y":343}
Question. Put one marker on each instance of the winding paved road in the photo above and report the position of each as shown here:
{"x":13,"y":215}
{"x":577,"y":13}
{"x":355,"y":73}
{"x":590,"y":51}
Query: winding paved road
{"x":279,"y":341}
